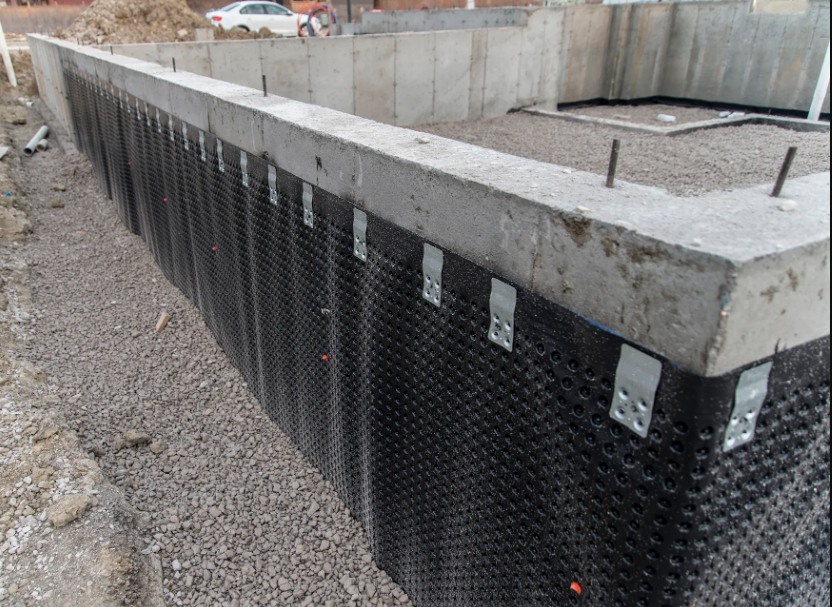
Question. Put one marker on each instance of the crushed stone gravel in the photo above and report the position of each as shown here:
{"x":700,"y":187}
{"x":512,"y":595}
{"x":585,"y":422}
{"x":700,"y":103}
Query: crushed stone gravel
{"x":646,"y":113}
{"x":686,"y":165}
{"x":238,"y":516}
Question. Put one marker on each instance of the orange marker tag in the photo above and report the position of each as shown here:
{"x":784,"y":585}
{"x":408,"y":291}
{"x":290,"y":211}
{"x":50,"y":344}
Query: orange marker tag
{"x":577,"y":587}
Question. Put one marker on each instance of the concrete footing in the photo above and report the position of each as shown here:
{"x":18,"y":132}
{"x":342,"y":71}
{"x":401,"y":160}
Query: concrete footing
{"x":791,"y":124}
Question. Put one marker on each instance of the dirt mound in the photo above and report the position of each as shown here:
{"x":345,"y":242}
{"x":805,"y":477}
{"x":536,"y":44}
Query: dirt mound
{"x":134,"y":21}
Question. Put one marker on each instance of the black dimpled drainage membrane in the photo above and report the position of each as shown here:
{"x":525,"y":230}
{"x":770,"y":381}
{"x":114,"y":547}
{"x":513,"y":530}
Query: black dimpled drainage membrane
{"x":483,"y":477}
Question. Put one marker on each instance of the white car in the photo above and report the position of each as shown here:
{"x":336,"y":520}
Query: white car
{"x":251,"y":16}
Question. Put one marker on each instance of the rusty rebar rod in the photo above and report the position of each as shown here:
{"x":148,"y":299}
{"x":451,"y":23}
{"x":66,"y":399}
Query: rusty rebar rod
{"x":784,"y":172}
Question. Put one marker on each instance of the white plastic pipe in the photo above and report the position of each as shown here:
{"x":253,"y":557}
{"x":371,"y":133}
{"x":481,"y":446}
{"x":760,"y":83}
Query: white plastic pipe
{"x":32,"y":146}
{"x":820,"y":90}
{"x":4,"y":50}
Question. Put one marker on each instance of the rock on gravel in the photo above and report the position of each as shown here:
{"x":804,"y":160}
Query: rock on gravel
{"x":67,"y":508}
{"x":133,"y":438}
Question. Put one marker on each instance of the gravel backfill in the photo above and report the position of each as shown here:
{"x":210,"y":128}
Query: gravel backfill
{"x":702,"y":161}
{"x":239,"y":517}
{"x":646,"y":113}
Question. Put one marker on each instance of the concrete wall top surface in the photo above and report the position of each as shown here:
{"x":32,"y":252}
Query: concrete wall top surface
{"x":713,"y":282}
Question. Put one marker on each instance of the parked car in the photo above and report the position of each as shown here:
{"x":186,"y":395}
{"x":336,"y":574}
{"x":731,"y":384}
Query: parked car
{"x":252,"y":16}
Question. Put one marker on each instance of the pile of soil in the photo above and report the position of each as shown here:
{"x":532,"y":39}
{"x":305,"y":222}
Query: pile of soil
{"x":137,"y":21}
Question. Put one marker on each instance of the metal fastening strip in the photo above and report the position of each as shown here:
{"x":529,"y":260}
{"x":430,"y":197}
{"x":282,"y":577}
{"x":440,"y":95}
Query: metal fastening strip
{"x":138,"y":111}
{"x":158,"y":121}
{"x":273,"y":185}
{"x":749,"y":397}
{"x":185,"y":136}
{"x":244,"y":168}
{"x":502,"y":303}
{"x":636,"y":380}
{"x":170,"y":128}
{"x":359,"y":234}
{"x":220,"y":161}
{"x":202,"y":154}
{"x":308,"y":213}
{"x":432,"y":262}
{"x":147,"y":113}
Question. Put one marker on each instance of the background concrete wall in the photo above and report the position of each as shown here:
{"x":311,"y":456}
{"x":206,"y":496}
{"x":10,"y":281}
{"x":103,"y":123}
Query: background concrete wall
{"x":625,"y":258}
{"x":727,"y":52}
{"x":392,"y":22}
{"x":468,"y":64}
{"x":401,"y":79}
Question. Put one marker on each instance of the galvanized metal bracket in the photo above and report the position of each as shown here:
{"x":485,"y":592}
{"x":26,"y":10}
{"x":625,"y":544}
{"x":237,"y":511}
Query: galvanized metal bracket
{"x":185,"y":136}
{"x":244,"y":168}
{"x":170,"y":128}
{"x":636,"y":380}
{"x":138,"y":110}
{"x":202,"y":155}
{"x":503,"y":302}
{"x":158,"y":121}
{"x":749,"y":398}
{"x":220,"y":161}
{"x":273,"y":185}
{"x":308,"y":213}
{"x":147,"y":114}
{"x":432,"y":262}
{"x":359,"y":234}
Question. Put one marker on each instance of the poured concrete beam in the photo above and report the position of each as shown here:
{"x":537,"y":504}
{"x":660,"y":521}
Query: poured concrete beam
{"x":713,"y":282}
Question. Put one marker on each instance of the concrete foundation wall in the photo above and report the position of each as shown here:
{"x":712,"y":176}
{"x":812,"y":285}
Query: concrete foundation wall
{"x":712,"y":282}
{"x":393,"y":22}
{"x":469,"y":64}
{"x":402,"y":79}
{"x":708,"y":51}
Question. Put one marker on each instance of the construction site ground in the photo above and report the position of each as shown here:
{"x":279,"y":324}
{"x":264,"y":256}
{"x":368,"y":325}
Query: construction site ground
{"x":687,"y":165}
{"x":137,"y":468}
{"x":646,"y":113}
{"x":189,"y":495}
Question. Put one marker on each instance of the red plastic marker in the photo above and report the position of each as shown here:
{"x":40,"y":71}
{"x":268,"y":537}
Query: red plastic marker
{"x":577,"y":587}
{"x":325,"y":357}
{"x":215,"y":248}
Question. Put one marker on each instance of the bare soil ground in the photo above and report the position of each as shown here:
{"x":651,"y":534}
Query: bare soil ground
{"x":235,"y":515}
{"x":687,"y":165}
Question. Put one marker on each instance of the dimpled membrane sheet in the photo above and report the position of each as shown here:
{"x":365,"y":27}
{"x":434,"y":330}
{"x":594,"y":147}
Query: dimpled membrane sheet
{"x":483,"y":477}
